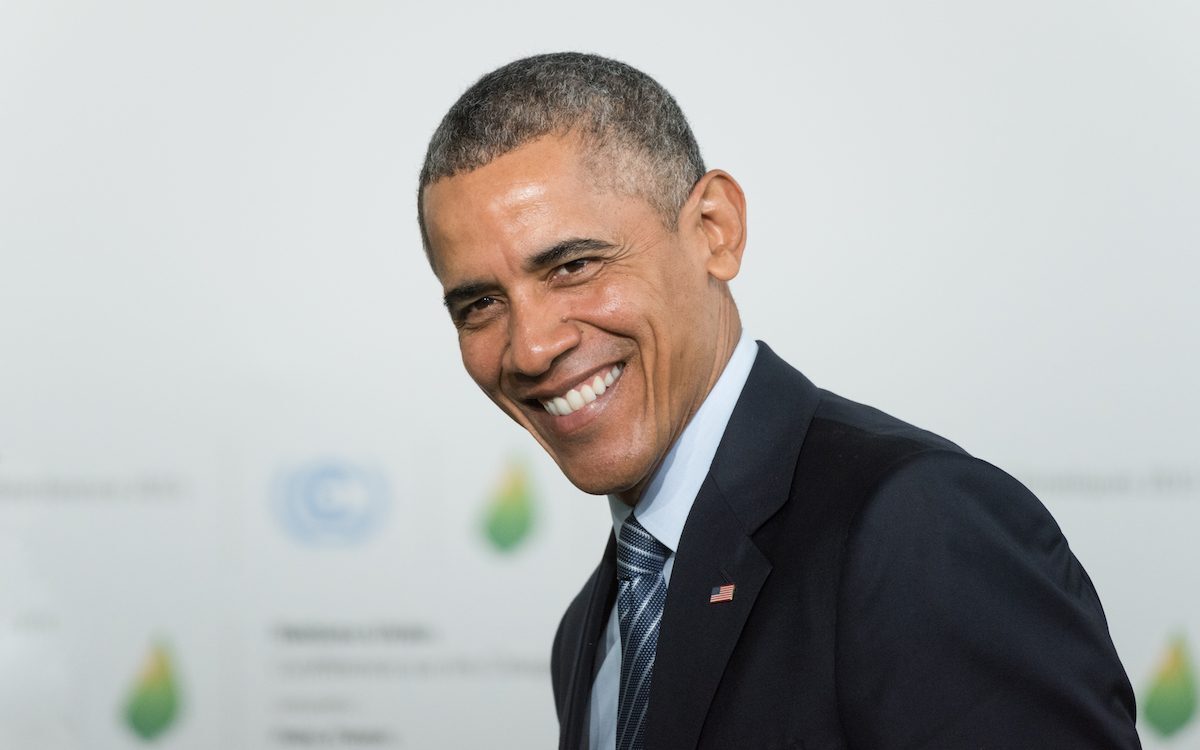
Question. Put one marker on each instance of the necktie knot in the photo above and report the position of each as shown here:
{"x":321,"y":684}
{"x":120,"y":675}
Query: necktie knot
{"x":638,"y":552}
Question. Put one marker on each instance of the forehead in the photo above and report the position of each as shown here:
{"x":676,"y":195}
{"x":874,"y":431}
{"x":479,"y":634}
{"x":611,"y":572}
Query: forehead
{"x":530,"y":198}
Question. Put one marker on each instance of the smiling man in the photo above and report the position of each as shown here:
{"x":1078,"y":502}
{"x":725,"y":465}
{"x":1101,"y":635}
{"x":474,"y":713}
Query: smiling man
{"x":787,"y":568}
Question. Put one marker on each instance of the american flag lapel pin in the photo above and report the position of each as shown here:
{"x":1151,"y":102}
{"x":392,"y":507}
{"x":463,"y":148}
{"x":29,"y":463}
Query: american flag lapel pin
{"x":721,"y":594}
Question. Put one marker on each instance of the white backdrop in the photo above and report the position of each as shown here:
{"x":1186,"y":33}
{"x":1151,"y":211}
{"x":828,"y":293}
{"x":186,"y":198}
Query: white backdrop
{"x":249,"y":499}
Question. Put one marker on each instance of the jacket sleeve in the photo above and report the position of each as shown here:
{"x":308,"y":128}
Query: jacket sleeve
{"x":964,"y":620}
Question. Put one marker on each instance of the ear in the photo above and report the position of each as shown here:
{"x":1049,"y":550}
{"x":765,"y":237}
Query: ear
{"x":717,"y":210}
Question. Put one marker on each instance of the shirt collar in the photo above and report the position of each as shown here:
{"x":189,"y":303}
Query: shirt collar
{"x":664,"y":506}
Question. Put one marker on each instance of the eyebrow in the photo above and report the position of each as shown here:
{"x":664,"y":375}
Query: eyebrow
{"x":565,"y":250}
{"x":552,"y":256}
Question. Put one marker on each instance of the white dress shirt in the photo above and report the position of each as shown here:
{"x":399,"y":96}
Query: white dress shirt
{"x":662,"y":510}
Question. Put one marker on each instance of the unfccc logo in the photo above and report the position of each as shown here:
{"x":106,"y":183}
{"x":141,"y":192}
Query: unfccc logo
{"x":331,"y":502}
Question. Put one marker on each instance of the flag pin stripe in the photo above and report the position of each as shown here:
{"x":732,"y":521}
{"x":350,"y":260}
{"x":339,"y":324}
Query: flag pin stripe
{"x":721,"y":594}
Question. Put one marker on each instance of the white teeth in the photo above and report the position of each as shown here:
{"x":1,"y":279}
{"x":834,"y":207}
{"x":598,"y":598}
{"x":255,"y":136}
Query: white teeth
{"x":574,"y":399}
{"x":578,"y":397}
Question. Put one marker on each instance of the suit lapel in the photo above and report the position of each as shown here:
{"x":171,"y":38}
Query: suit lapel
{"x":750,"y":479}
{"x":600,"y":602}
{"x":696,"y":636}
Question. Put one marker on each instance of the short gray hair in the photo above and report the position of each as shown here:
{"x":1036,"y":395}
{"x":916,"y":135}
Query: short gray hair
{"x":612,"y":106}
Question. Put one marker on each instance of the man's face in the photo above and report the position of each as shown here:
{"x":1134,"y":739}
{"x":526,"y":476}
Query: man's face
{"x":578,"y":312}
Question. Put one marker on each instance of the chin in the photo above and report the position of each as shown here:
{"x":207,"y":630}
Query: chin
{"x":592,"y":487}
{"x":601,"y":479}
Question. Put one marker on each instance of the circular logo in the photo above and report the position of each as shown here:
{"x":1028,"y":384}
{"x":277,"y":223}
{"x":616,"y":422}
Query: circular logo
{"x":332,"y":502}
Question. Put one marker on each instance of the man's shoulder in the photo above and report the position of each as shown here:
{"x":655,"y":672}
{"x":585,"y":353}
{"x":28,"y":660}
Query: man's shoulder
{"x":869,"y":432}
{"x":895,"y":484}
{"x":870,"y":454}
{"x":832,"y":451}
{"x":573,"y":617}
{"x":570,"y":628}
{"x":818,"y":415}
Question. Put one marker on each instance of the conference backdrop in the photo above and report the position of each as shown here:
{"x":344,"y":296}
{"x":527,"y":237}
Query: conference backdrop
{"x":250,"y":499}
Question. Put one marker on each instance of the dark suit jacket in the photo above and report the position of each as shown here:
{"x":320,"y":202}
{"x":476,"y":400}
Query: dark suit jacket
{"x":891,"y":592}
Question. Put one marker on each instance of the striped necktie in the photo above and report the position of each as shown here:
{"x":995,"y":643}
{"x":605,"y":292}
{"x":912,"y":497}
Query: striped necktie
{"x":641,"y":591}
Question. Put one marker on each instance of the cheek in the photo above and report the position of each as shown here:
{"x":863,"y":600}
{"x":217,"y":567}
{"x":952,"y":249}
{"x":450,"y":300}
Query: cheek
{"x":626,"y":304}
{"x":610,"y":300}
{"x":481,"y":355}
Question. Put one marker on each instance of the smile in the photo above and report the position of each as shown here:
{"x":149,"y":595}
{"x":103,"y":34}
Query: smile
{"x":582,"y":394}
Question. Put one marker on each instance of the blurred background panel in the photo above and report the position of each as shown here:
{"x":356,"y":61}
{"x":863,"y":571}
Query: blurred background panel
{"x":249,"y":498}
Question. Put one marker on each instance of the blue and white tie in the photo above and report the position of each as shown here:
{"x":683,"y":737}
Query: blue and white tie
{"x":641,"y":591}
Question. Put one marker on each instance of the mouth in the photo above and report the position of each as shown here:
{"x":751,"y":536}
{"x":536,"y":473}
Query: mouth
{"x":582,"y":394}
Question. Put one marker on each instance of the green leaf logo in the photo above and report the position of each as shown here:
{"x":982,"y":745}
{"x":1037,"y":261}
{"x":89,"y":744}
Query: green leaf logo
{"x":153,"y":703}
{"x":1171,"y":701}
{"x":509,"y":515}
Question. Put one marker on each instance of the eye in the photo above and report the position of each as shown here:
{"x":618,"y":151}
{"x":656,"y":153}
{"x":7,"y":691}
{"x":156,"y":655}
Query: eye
{"x":480,"y":304}
{"x":476,"y":312}
{"x":579,"y":267}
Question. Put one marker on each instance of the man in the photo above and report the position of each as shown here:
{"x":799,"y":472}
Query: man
{"x":788,"y":569}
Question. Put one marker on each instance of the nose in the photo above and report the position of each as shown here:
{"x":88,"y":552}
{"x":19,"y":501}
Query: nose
{"x":539,"y":333}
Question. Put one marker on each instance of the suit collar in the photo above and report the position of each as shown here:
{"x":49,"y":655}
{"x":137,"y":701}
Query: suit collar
{"x":757,"y":455}
{"x":750,"y":479}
